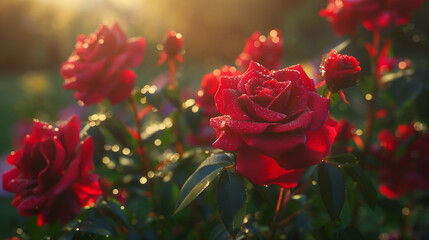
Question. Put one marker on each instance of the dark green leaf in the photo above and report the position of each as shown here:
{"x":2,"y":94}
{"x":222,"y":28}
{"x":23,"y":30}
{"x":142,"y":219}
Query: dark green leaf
{"x":307,"y":173}
{"x":196,"y":183}
{"x":120,"y":132}
{"x":332,"y":189}
{"x":116,"y":210}
{"x":221,"y":159}
{"x":87,"y":227}
{"x":193,"y":119}
{"x":231,"y":201}
{"x":365,"y":186}
{"x":350,"y":233}
{"x":342,"y":159}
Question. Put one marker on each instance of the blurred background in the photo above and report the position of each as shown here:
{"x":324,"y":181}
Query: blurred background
{"x":36,"y":36}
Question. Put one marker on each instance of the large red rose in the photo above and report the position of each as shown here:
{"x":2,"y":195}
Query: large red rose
{"x":51,"y":177}
{"x":346,"y":15}
{"x":264,"y":50}
{"x":275,"y":120}
{"x":98,"y":67}
{"x":405,"y":161}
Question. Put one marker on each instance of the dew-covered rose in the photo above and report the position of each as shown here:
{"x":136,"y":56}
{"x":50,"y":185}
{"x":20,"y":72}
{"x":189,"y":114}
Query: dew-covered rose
{"x":340,"y":71}
{"x":51,"y":177}
{"x":264,"y":50}
{"x":405,"y":161}
{"x":98,"y":68}
{"x":276,"y":121}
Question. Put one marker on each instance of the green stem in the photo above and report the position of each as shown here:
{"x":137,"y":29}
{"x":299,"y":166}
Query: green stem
{"x":144,"y":159}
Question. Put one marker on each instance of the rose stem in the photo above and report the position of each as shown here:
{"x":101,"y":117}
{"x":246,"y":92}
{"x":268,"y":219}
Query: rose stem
{"x":173,"y":86}
{"x":144,"y":159}
{"x":172,"y":66}
{"x":282,"y":200}
{"x":371,"y":103}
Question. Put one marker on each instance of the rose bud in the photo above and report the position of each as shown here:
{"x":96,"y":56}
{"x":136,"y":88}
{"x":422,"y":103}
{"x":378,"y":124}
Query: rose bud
{"x":52,"y":178}
{"x":405,"y":161}
{"x":98,"y":67}
{"x":339,"y":71}
{"x":264,"y":50}
{"x":276,"y":121}
{"x":172,"y":47}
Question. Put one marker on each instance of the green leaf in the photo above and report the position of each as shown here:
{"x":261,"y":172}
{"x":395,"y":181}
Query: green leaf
{"x":193,"y":118}
{"x":116,"y":210}
{"x":305,"y":175}
{"x":120,"y":132}
{"x":221,"y":159}
{"x":88,"y":227}
{"x":195,"y":184}
{"x":231,"y":201}
{"x":350,"y":233}
{"x":332,"y":189}
{"x":364,"y":183}
{"x":342,"y":159}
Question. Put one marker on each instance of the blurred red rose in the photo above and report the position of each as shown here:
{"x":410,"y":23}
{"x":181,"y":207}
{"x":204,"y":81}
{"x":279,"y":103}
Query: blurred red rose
{"x":405,"y":161}
{"x":171,"y":47}
{"x":264,"y":50}
{"x":98,"y":67}
{"x":346,"y":15}
{"x":275,"y":120}
{"x":340,"y":71}
{"x":345,"y":133}
{"x":51,"y":178}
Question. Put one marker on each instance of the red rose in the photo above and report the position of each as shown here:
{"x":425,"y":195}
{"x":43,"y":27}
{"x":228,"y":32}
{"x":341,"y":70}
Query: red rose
{"x":346,"y":15}
{"x":172,"y":46}
{"x":209,"y":86}
{"x":405,"y":161}
{"x":98,"y":67}
{"x":275,"y":120}
{"x":51,"y":178}
{"x":340,"y":71}
{"x":266,"y":51}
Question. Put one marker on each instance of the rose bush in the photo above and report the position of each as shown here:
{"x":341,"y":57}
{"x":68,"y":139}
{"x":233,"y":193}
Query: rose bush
{"x":98,"y":67}
{"x":405,"y":161}
{"x":346,"y":15}
{"x":51,"y":178}
{"x":264,"y":50}
{"x":276,"y":121}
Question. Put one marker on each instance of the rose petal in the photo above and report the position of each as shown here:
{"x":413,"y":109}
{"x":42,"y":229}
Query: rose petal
{"x":69,"y":134}
{"x":124,"y":85}
{"x":259,"y":112}
{"x":246,"y":127}
{"x":227,"y":140}
{"x":275,"y":144}
{"x":232,"y":106}
{"x":279,"y":102}
{"x":263,"y":170}
{"x":308,"y":82}
{"x":320,"y":107}
{"x":226,"y":82}
{"x":303,"y":121}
